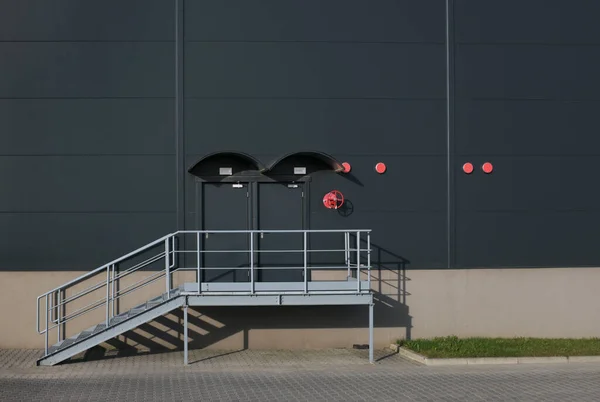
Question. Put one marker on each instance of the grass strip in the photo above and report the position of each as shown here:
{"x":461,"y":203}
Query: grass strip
{"x":453,"y":347}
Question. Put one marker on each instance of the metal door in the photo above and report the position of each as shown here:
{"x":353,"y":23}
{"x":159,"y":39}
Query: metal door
{"x":225,"y":206}
{"x":280,"y":207}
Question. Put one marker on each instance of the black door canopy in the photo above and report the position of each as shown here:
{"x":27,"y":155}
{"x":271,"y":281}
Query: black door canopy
{"x":231,"y":163}
{"x":225,"y":163}
{"x":312,"y":161}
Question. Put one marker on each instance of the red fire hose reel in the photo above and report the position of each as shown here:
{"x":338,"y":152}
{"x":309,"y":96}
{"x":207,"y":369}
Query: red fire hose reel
{"x":333,"y":199}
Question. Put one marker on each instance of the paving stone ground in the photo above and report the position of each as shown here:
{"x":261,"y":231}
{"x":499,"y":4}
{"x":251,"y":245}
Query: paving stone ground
{"x":325,"y":375}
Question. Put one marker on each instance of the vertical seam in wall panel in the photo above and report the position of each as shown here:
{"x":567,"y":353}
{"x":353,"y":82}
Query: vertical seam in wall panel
{"x":451,"y":221}
{"x":179,"y":132}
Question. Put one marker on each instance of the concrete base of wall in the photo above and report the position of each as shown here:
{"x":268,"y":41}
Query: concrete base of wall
{"x":410,"y":304}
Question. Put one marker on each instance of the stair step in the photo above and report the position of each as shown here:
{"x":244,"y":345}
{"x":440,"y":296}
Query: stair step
{"x":136,"y":311}
{"x":67,"y":343}
{"x":119,"y":319}
{"x":84,"y":334}
{"x":158,"y":299}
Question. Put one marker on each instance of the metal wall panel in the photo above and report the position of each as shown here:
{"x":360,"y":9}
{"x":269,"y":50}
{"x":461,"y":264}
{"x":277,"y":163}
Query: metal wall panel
{"x":75,"y":241}
{"x":405,"y":207}
{"x":531,"y":183}
{"x":362,"y":81}
{"x":86,"y":126}
{"x":314,"y":70}
{"x":315,"y":20}
{"x":532,"y":21}
{"x":87,"y":183}
{"x":86,"y":70}
{"x":411,"y":183}
{"x":401,"y":239}
{"x":90,"y":20}
{"x":524,"y":127}
{"x":534,"y":238}
{"x":543,"y":72}
{"x":88,"y":112}
{"x":341,"y":127}
{"x":87,"y":150}
{"x":526,"y":100}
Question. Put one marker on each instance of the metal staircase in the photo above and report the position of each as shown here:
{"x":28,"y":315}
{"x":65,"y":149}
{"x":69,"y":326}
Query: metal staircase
{"x":104,"y":293}
{"x":119,"y":324}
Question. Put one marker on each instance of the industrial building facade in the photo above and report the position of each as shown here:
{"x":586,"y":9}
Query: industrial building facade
{"x":467,"y":130}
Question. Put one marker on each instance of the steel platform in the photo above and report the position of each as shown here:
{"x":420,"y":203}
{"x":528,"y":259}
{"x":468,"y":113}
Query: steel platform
{"x":161,"y":259}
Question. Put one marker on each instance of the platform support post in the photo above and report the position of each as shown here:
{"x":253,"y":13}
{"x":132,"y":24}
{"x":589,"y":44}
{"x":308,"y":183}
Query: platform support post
{"x":185,"y":335}
{"x":371,"y":333}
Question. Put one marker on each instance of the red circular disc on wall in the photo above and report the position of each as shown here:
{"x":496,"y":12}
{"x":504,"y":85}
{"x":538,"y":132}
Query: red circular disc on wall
{"x":468,"y":168}
{"x":380,"y":168}
{"x":347,"y":167}
{"x":487,"y":167}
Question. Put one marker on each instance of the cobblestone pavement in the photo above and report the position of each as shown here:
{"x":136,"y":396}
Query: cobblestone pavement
{"x":327,"y":375}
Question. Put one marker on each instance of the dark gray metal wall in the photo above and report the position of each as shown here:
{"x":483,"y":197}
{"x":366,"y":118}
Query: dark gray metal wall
{"x":526,"y":92}
{"x":87,"y":165}
{"x":363,"y":81}
{"x":105,"y":104}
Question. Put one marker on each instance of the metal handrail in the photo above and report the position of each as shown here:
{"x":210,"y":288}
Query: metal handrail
{"x":132,"y":287}
{"x":269,"y":251}
{"x":105,"y":266}
{"x":114,"y":278}
{"x":140,"y":265}
{"x":274,"y":231}
{"x":100,"y":302}
{"x":55,"y":318}
{"x":162,"y":254}
{"x":79,"y":312}
{"x":55,"y":308}
{"x":81,"y":293}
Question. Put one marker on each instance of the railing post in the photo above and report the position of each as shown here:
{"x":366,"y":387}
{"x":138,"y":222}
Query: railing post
{"x":198,"y":259}
{"x":369,"y":259}
{"x":58,"y":306}
{"x":107,"y":295}
{"x":358,"y":261}
{"x":305,"y":263}
{"x":51,"y":308}
{"x":113,"y":291}
{"x":347,"y":252}
{"x":37,"y":315}
{"x":167,"y":271}
{"x":46,"y":329}
{"x":172,"y":250}
{"x":53,"y":316}
{"x":251,"y":261}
